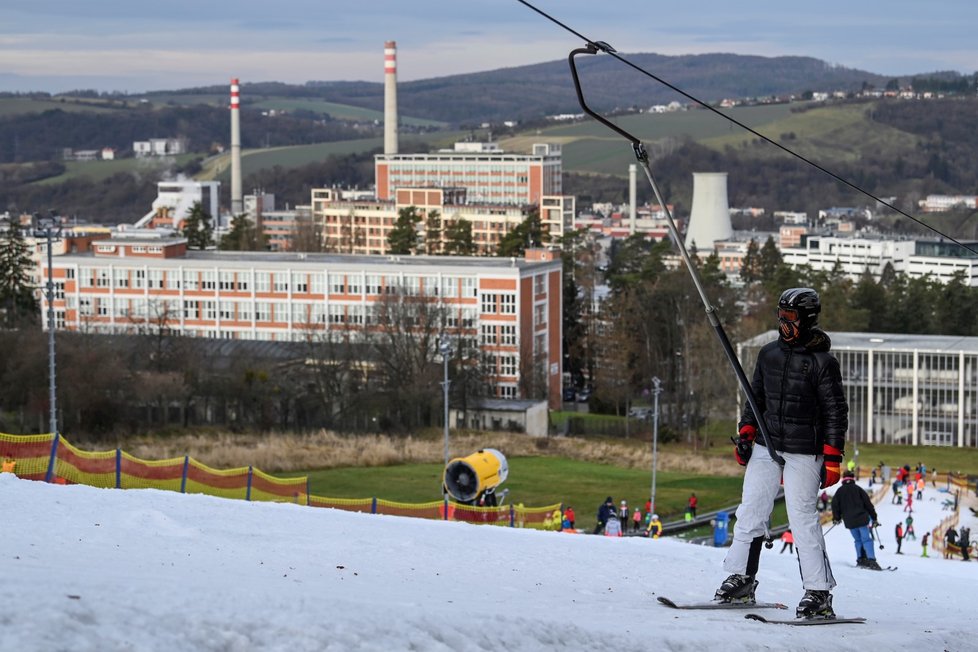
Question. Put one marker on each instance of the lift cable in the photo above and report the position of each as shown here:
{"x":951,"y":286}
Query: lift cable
{"x":604,"y":47}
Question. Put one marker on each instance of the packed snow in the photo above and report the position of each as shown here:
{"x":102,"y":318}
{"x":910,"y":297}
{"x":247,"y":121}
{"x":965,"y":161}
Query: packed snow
{"x":105,"y":570}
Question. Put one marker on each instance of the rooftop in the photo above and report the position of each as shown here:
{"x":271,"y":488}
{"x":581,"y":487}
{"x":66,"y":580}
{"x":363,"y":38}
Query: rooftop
{"x":888,"y":342}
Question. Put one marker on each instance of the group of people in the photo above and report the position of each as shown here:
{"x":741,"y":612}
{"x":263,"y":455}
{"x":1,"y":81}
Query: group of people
{"x":612,"y":521}
{"x":960,"y":539}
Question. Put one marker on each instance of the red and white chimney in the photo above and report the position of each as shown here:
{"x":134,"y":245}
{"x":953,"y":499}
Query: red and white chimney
{"x":390,"y":97}
{"x":237,"y":201}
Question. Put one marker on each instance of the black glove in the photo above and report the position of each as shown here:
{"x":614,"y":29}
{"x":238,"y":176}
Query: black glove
{"x":835,"y":521}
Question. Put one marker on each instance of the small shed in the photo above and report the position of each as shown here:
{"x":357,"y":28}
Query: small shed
{"x":513,"y":415}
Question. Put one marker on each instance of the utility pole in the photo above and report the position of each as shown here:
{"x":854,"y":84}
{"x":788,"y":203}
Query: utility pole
{"x":50,"y":227}
{"x":445,"y":348}
{"x":656,"y":390}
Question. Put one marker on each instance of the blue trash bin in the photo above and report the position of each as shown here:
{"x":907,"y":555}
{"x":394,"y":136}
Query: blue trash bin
{"x":720,"y":529}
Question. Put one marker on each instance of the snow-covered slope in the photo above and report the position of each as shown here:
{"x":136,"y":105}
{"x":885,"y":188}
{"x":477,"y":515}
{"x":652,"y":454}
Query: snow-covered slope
{"x":93,"y":569}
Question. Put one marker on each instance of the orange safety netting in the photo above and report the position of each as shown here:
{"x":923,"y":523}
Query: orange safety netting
{"x":40,"y":457}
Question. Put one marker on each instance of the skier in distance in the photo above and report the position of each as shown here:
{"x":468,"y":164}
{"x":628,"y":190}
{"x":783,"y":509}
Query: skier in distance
{"x":851,"y":504}
{"x":797,"y":387}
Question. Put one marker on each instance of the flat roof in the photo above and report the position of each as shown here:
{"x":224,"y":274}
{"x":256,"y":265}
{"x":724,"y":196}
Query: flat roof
{"x":468,"y":263}
{"x":888,"y":342}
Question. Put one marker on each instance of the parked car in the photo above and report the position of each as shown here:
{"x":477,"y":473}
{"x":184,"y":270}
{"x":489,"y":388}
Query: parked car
{"x":569,"y":394}
{"x":640,"y":413}
{"x":583,"y":395}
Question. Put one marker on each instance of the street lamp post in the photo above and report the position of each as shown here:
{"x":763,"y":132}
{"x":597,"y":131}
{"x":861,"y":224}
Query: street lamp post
{"x":656,"y":390}
{"x":49,"y":227}
{"x":445,"y":348}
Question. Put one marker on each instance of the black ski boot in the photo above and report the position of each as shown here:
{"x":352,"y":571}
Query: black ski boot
{"x":815,"y":604}
{"x":737,"y":588}
{"x":861,"y":562}
{"x":871,"y":564}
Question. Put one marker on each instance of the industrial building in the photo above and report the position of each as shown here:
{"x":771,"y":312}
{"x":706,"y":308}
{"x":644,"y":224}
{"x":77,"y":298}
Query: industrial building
{"x":362,"y":226}
{"x":488,"y":174}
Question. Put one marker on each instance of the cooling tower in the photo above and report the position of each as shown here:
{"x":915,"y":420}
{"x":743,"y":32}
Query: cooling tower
{"x":237,"y":203}
{"x":709,"y":219}
{"x":390,"y":97}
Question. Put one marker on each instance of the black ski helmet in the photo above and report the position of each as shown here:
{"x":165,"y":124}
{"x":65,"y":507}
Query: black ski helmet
{"x":798,"y":310}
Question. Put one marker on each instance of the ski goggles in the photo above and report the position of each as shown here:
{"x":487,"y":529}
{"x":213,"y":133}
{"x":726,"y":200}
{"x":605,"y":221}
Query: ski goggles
{"x":788,"y":314}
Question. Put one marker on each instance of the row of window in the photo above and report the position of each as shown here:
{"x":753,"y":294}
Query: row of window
{"x":279,"y":282}
{"x":175,"y":310}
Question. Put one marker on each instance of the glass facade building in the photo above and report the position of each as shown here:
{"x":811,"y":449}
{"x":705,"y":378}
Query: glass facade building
{"x":902,"y":389}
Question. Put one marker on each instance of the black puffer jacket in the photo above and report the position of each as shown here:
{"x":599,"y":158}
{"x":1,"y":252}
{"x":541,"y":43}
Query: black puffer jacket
{"x":851,"y":505}
{"x":799,"y":392}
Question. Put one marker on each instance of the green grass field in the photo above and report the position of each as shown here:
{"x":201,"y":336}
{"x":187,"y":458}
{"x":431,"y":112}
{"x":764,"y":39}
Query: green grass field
{"x":540,"y":481}
{"x":536,"y":482}
{"x":11,"y":106}
{"x":338,"y":111}
{"x":99,"y":170}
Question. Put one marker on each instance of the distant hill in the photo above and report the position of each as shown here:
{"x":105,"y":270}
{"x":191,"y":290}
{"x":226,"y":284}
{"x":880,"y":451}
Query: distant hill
{"x":532,"y":91}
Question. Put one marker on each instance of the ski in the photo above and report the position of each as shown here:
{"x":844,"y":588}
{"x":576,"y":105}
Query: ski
{"x":720,"y":605}
{"x":805,"y":621}
{"x":884,"y":568}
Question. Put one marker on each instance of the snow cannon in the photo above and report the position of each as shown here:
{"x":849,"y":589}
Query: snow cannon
{"x":468,"y":478}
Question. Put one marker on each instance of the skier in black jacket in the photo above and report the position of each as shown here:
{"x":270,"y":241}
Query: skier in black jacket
{"x":797,"y":387}
{"x":851,"y":504}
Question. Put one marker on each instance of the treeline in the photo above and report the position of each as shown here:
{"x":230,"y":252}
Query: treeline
{"x":653,"y":323}
{"x":43,"y":136}
{"x":109,"y":386}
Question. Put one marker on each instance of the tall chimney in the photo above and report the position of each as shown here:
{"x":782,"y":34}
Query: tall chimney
{"x":709,"y":218}
{"x":632,"y":169}
{"x":390,"y":97}
{"x":237,"y":203}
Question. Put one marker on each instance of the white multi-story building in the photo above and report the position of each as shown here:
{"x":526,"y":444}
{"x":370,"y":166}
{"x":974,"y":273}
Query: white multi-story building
{"x":175,"y":199}
{"x":903,"y":389}
{"x":159,"y":147}
{"x":942,"y":203}
{"x":147,"y":282}
{"x":941,"y":260}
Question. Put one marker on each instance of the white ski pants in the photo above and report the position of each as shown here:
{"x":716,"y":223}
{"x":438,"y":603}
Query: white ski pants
{"x":761,"y":483}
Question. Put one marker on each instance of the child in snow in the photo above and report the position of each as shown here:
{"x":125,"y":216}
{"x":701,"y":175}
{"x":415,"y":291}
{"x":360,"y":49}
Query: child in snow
{"x":788,"y":540}
{"x":636,"y":520}
{"x":923,"y":543}
{"x":909,"y":533}
{"x":899,"y":537}
{"x":655,"y":527}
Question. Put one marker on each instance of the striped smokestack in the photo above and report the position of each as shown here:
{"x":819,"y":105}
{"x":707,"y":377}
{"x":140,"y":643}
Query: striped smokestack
{"x":237,"y":203}
{"x":390,"y":97}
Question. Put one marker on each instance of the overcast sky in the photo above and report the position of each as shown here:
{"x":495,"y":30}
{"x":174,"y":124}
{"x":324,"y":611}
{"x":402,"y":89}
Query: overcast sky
{"x":122,"y":45}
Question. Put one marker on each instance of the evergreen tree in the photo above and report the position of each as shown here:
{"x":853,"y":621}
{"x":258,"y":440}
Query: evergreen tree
{"x":243,"y":236}
{"x":197,"y":228}
{"x":403,"y":238}
{"x":458,"y":238}
{"x":770,"y":259}
{"x":17,"y":299}
{"x":750,"y":267}
{"x":433,"y":234}
{"x":527,"y":234}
